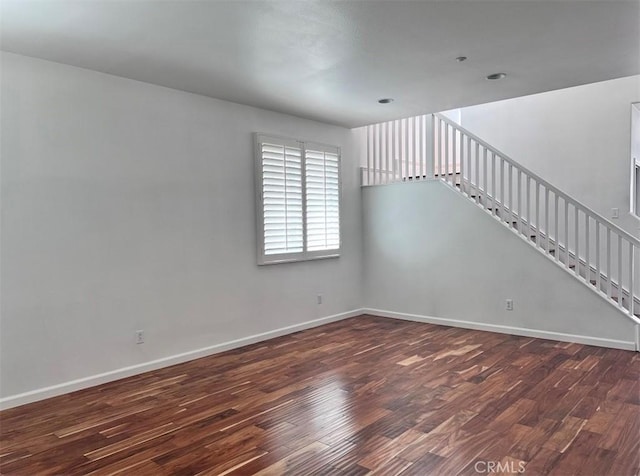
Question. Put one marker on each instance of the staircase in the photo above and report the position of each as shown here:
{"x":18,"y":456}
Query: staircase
{"x":585,"y":244}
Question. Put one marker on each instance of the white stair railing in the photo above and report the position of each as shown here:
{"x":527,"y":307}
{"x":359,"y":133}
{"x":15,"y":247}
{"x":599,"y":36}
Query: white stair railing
{"x":584,"y":243}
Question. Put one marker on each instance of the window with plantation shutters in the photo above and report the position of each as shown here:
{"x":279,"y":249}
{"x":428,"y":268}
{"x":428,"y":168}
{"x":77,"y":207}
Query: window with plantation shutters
{"x":298,"y":187}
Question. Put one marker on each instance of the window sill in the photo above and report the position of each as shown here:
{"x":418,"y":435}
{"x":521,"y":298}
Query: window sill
{"x":264,"y":261}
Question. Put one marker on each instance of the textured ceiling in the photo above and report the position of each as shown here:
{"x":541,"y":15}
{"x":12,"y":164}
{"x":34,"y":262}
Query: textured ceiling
{"x":332,"y":60}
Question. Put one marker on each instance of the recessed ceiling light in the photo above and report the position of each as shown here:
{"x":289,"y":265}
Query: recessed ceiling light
{"x":460,"y":59}
{"x":495,"y":76}
{"x":385,"y":100}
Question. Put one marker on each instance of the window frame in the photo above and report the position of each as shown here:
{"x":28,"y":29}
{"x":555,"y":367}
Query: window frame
{"x":635,"y":161}
{"x":635,"y":186}
{"x":297,"y":256}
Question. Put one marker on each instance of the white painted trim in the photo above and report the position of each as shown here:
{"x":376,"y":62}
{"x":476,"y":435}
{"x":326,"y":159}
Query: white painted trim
{"x":519,"y":331}
{"x":117,"y":374}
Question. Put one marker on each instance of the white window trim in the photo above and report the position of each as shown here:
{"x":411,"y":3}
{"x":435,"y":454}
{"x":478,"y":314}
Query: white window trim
{"x":635,"y":163}
{"x":262,"y":258}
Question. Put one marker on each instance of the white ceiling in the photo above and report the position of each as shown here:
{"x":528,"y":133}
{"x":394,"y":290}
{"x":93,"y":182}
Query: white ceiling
{"x":332,"y":60}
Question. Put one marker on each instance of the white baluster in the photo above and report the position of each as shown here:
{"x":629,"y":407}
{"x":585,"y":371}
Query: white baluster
{"x":392,"y":150}
{"x":631,"y":266}
{"x":477,"y":165}
{"x":538,"y":237}
{"x":609,"y":270}
{"x":441,"y":146}
{"x":387,"y":152}
{"x":566,"y":233}
{"x":370,"y":163}
{"x":529,"y":221}
{"x":468,"y":167}
{"x":597,"y":255}
{"x":473,"y":187}
{"x":430,"y":130}
{"x":376,"y":154}
{"x":546,"y":218}
{"x":484,"y":177}
{"x":383,"y":147}
{"x":397,"y":151}
{"x":446,"y":152}
{"x":519,"y":195}
{"x":494,"y":196}
{"x":619,"y":271}
{"x":412,"y":146}
{"x":555,"y":229}
{"x":577,"y":239}
{"x":503,"y":210}
{"x":459,"y":165}
{"x":587,"y":261}
{"x":511,"y":211}
{"x":406,"y":147}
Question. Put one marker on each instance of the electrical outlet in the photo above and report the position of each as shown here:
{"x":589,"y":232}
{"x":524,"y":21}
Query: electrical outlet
{"x":509,"y":304}
{"x":140,"y":337}
{"x":615,"y":213}
{"x":319,"y":299}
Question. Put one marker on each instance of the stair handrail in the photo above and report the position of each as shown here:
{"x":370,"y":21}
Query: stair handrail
{"x":623,"y":233}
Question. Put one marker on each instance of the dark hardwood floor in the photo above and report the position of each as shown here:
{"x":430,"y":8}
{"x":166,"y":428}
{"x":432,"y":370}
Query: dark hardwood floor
{"x":364,"y":395}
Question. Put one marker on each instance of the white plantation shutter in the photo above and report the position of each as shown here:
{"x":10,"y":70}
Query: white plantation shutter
{"x":282,"y":197}
{"x":322,"y":199}
{"x":298,"y":200}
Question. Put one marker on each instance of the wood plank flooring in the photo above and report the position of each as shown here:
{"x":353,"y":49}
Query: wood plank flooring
{"x":366,"y":395}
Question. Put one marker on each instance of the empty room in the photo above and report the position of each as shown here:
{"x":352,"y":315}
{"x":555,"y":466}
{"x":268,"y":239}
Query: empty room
{"x":319,"y":237}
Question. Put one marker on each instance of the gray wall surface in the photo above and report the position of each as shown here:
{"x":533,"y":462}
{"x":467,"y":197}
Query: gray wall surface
{"x":431,"y":252}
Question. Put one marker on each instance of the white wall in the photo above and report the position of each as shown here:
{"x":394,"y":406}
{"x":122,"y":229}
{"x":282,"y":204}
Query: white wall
{"x":431,"y":252}
{"x":131,"y":206}
{"x":578,"y":139}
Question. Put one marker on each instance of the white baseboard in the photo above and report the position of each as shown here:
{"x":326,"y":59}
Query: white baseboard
{"x":519,"y":331}
{"x":93,"y":380}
